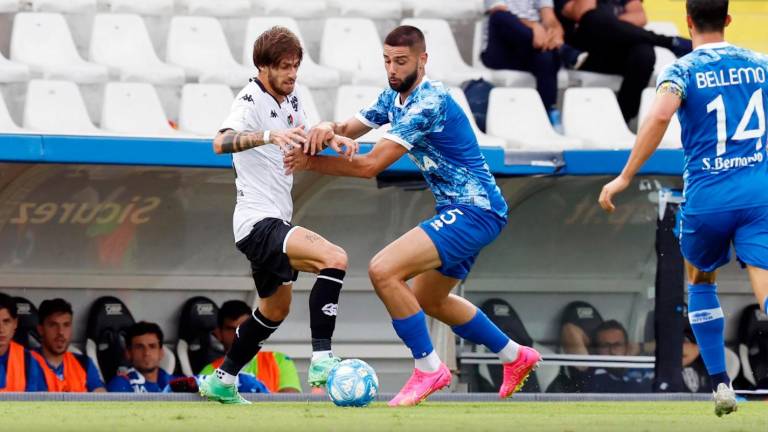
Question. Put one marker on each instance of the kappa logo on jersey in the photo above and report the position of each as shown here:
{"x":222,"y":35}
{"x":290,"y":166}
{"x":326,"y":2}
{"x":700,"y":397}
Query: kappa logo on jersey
{"x":331,"y":309}
{"x":295,"y":104}
{"x":273,"y":114}
{"x":247,"y":98}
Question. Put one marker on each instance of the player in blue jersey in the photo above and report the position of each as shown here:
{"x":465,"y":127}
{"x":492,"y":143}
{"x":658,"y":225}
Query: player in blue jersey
{"x":431,"y":128}
{"x":718,"y":92}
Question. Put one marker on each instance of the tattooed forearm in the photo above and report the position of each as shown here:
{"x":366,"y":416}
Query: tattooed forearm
{"x":233,"y":142}
{"x":312,"y":237}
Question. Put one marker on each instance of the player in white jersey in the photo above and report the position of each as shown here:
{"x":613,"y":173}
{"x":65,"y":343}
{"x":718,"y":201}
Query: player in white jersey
{"x":718,"y":91}
{"x":266,"y":121}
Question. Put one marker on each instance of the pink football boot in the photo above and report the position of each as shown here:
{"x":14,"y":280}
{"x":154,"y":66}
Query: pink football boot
{"x":420,"y":385}
{"x":516,"y":372}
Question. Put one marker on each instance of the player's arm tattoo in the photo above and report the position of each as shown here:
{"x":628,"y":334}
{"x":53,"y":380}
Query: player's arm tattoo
{"x":670,"y":88}
{"x":312,"y":237}
{"x":231,"y":141}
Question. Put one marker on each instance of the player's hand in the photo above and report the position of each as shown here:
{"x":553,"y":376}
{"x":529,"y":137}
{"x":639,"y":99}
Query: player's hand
{"x":288,"y":139}
{"x":318,"y":136}
{"x":344,"y":146}
{"x":295,"y":160}
{"x":610,"y":190}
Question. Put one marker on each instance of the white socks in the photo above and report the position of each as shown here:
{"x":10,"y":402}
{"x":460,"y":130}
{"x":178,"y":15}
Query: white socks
{"x":431,"y":363}
{"x":318,"y":355}
{"x":225,"y":378}
{"x":509,"y":353}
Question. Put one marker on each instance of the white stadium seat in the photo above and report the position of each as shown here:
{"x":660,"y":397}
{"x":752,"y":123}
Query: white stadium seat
{"x":121,"y":42}
{"x":310,"y":107}
{"x":307,"y":9}
{"x":500,"y":77}
{"x":350,"y":99}
{"x":352,"y":46}
{"x":204,"y":107}
{"x":594,"y":79}
{"x":43,"y":41}
{"x":198,"y":45}
{"x":9,"y":6}
{"x":445,"y":9}
{"x":310,"y":73}
{"x":586,"y":108}
{"x":12,"y":71}
{"x":63,"y":6}
{"x":664,"y":57}
{"x":518,"y":115}
{"x":483,"y":139}
{"x":445,"y":63}
{"x":374,"y":9}
{"x":217,"y":8}
{"x":134,"y":109}
{"x":7,"y":124}
{"x":57,"y":107}
{"x":672,"y":138}
{"x":142,"y":7}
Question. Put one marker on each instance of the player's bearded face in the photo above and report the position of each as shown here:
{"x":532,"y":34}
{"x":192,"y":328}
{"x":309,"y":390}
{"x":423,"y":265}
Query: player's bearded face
{"x":56,"y":332}
{"x":402,"y":85}
{"x":282,"y":78}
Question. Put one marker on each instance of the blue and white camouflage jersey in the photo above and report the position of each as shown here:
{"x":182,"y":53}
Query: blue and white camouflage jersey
{"x":441,"y":142}
{"x":722,"y":114}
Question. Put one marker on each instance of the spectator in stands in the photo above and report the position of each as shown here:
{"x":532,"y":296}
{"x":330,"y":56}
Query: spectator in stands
{"x":611,"y":31}
{"x":526,"y":35}
{"x":64,"y":371}
{"x":275,"y":370}
{"x":611,"y":340}
{"x":18,"y":369}
{"x":144,"y":352}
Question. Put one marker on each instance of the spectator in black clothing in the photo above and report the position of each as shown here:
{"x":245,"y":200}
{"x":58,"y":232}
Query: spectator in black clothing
{"x":611,"y":339}
{"x":611,"y":31}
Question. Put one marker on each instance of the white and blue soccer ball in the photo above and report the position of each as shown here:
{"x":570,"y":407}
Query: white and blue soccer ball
{"x":352,"y":383}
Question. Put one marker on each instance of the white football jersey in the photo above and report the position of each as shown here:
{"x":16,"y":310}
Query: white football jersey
{"x":263,"y":189}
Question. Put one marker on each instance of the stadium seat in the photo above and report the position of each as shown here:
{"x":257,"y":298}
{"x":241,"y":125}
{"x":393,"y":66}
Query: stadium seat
{"x":672,"y":138}
{"x":753,"y":346}
{"x":43,"y":41}
{"x":134,"y":109}
{"x":445,"y":63}
{"x":56,"y":107}
{"x":26,"y":328}
{"x":583,"y":108}
{"x":500,"y":77}
{"x":310,"y":73}
{"x":168,"y":362}
{"x":204,"y":107}
{"x":306,"y":9}
{"x":518,"y":116}
{"x":445,"y":9}
{"x":664,"y":57}
{"x":105,"y":342}
{"x":197,"y":346}
{"x":350,"y":99}
{"x":121,"y":42}
{"x":373,"y":9}
{"x":7,"y":125}
{"x":12,"y":71}
{"x":198,"y":45}
{"x":483,"y":139}
{"x":9,"y":6}
{"x":142,"y":7}
{"x":310,"y":107}
{"x":352,"y":46}
{"x":63,"y":6}
{"x":582,"y":78}
{"x":217,"y":8}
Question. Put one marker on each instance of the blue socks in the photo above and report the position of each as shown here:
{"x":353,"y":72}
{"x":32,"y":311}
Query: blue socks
{"x":480,"y":330}
{"x":413,"y":331}
{"x":707,"y":320}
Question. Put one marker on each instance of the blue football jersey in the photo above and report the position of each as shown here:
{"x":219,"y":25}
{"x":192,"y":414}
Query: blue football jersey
{"x":441,"y":142}
{"x":722,"y":114}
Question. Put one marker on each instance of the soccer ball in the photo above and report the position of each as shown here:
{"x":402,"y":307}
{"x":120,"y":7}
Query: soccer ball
{"x":352,"y":383}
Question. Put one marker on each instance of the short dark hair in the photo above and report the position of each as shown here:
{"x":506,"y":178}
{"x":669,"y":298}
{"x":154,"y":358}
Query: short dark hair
{"x":50,"y":307}
{"x":406,"y":36}
{"x":8,"y":302}
{"x":611,"y":325}
{"x":707,"y":15}
{"x":232,"y":310}
{"x":141,"y":328}
{"x":274,"y":45}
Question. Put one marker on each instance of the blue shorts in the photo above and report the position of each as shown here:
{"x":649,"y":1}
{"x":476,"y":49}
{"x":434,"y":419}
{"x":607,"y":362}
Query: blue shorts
{"x":705,"y":239}
{"x":459,"y":232}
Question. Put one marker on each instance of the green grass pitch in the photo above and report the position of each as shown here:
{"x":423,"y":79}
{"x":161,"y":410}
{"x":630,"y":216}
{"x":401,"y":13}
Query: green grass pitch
{"x":436,"y":416}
